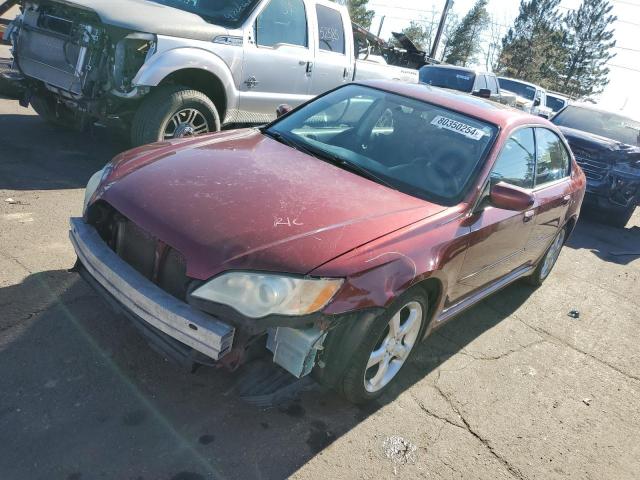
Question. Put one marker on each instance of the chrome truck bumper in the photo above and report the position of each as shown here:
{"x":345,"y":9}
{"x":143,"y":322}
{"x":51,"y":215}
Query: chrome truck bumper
{"x":145,"y":300}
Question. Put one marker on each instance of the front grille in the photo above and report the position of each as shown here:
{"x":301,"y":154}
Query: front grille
{"x":593,"y":169}
{"x":153,"y":259}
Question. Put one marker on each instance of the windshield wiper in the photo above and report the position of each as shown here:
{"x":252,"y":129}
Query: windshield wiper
{"x":351,"y":166}
{"x":287,"y":141}
{"x":326,"y":156}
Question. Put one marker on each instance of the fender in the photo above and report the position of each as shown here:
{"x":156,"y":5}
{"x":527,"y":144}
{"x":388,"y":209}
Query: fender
{"x":165,"y":63}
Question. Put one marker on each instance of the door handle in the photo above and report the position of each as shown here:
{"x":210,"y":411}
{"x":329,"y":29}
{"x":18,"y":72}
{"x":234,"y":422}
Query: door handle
{"x":528,"y":215}
{"x":566,"y":199}
{"x":309,"y":67}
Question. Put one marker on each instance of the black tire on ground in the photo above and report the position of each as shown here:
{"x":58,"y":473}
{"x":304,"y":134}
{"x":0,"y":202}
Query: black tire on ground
{"x":9,"y":89}
{"x":157,"y":109}
{"x":352,"y":384}
{"x":46,"y":108}
{"x":620,"y":217}
{"x":538,"y":277}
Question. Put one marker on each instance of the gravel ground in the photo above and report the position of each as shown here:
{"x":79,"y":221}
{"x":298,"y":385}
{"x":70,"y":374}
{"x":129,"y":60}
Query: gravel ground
{"x":514,"y":388}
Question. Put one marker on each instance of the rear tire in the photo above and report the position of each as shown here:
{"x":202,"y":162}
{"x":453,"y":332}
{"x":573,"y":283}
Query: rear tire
{"x":359,"y":384}
{"x":548,"y":261}
{"x":167,"y":113}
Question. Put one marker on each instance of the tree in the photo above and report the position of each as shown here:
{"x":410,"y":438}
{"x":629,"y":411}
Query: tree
{"x":530,"y":48}
{"x":465,"y":43}
{"x":359,"y":13}
{"x":450,"y":27}
{"x":419,"y":33}
{"x":588,"y":42}
{"x":493,"y":46}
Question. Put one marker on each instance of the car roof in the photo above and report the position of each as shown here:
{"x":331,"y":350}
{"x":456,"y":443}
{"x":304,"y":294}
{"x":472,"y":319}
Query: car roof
{"x":463,"y":69}
{"x":599,"y":109}
{"x":492,"y":112}
{"x":523,"y":82}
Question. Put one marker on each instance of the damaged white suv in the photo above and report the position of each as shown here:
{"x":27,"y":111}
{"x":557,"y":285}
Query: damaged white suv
{"x":173,"y":68}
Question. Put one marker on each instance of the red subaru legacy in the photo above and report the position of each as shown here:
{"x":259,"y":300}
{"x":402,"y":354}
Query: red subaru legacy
{"x":335,"y":238}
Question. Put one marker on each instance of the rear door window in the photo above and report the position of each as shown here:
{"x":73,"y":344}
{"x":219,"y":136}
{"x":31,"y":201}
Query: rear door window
{"x":330,"y":29}
{"x":516,"y":163}
{"x":552,"y":157}
{"x":283,"y":21}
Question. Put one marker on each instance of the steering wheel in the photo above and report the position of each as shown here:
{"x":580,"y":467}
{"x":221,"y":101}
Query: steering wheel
{"x":445,"y":163}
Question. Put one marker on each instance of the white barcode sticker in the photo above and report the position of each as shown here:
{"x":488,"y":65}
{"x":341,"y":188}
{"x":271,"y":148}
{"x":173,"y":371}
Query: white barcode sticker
{"x":458,"y":127}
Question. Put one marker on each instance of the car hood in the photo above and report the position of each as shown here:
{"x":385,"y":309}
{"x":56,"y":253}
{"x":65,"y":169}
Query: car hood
{"x":591,"y":146}
{"x":149,"y":17}
{"x":241,"y":200}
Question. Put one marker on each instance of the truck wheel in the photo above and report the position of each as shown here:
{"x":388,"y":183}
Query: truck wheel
{"x":173,"y":111}
{"x":620,"y":217}
{"x":546,"y":263}
{"x":59,"y":117}
{"x":385,"y":348}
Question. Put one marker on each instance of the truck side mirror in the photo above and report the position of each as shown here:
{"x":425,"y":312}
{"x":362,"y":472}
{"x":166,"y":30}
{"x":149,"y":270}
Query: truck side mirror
{"x":483,"y":93}
{"x":536,"y":102}
{"x":283,"y":109}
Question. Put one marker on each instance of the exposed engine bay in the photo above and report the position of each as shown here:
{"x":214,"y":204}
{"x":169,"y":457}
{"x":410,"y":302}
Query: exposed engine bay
{"x":87,"y":65}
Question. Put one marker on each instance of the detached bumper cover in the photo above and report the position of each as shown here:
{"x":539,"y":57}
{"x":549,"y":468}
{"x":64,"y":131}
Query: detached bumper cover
{"x":148,"y":302}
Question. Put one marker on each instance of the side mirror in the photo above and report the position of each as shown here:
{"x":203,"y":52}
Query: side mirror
{"x":483,"y":93}
{"x":510,"y":197}
{"x":283,"y":109}
{"x":536,"y":102}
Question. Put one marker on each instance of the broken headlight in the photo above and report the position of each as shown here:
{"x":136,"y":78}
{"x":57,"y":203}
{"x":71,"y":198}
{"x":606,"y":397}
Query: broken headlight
{"x":257,"y":295}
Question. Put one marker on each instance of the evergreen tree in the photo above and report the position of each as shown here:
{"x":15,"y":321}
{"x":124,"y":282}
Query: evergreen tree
{"x":359,"y":13}
{"x":530,"y":48}
{"x":465,"y":43}
{"x":419,"y":34}
{"x":587,"y":43}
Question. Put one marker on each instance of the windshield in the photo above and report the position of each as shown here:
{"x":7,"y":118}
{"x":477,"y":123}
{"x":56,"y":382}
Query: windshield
{"x":520,"y":89}
{"x":555,"y":103}
{"x":609,"y":125}
{"x":412,"y":146}
{"x":228,"y":13}
{"x":453,"y":78}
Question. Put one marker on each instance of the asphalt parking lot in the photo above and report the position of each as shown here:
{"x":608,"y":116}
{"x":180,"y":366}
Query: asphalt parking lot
{"x":515,"y":388}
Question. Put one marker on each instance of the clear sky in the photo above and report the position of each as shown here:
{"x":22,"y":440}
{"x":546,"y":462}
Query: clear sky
{"x":623,"y":91}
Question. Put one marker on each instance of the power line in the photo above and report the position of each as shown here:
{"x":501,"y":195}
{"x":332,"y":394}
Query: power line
{"x":626,"y":3}
{"x":623,"y":67}
{"x":628,"y":49}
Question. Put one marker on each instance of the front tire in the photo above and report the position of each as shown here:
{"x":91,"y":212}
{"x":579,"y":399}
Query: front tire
{"x":173,"y":111}
{"x":385,"y":348}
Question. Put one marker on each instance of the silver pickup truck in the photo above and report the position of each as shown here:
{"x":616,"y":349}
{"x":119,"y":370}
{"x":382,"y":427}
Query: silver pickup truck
{"x":174,"y":68}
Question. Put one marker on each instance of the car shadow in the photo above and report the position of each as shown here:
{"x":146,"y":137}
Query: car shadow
{"x":85,"y":395}
{"x":615,"y":245}
{"x":35,"y":155}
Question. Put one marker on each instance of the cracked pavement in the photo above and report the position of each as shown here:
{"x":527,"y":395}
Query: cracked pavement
{"x":514,"y":388}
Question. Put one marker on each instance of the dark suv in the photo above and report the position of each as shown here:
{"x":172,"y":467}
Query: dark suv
{"x":607,"y":147}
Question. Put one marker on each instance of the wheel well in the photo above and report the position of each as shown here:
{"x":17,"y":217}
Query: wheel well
{"x":571,"y":223}
{"x":433,"y":288}
{"x":204,"y":82}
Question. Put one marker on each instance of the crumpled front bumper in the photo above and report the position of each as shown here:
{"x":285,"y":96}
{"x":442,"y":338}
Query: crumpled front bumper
{"x":136,"y":294}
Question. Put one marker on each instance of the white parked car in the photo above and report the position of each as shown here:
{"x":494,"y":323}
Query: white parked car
{"x":530,"y":98}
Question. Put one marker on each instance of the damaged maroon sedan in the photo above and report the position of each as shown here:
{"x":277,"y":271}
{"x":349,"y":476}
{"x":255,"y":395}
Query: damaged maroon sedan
{"x":335,"y":238}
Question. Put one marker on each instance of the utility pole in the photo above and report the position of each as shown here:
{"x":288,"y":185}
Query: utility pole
{"x":381,"y":23}
{"x":443,"y":20}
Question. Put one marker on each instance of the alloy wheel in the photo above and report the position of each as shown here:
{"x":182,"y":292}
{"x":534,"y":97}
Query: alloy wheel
{"x":552,"y":255}
{"x":186,"y":123}
{"x":393,"y":348}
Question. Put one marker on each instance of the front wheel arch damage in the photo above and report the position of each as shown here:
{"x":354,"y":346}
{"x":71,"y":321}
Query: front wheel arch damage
{"x":343,"y":340}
